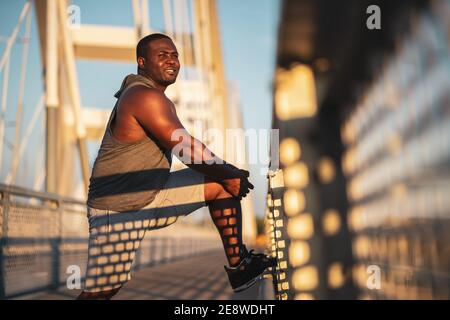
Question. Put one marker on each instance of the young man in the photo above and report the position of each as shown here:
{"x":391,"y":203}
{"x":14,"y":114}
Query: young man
{"x":131,"y":189}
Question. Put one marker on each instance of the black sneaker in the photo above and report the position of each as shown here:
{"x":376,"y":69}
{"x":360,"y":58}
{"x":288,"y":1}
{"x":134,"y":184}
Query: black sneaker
{"x":250,"y":269}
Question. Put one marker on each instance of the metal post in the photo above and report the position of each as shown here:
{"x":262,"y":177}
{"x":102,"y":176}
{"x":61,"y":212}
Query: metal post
{"x":4,"y":198}
{"x":168,"y":21}
{"x":56,"y":246}
{"x":73,"y":90}
{"x":51,"y":98}
{"x":145,"y":17}
{"x":137,"y":17}
{"x":51,"y":161}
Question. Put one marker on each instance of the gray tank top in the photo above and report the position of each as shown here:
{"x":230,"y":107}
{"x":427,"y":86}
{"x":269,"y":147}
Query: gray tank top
{"x":127,"y":176}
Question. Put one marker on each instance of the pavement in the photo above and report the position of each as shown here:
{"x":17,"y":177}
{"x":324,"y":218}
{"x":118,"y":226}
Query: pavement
{"x":201,"y":277}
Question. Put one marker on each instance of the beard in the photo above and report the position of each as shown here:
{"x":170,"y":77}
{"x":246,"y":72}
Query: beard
{"x":167,"y":82}
{"x":164,"y":80}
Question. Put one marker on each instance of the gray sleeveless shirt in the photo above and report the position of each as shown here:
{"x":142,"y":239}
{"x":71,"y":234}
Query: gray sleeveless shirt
{"x":127,"y":176}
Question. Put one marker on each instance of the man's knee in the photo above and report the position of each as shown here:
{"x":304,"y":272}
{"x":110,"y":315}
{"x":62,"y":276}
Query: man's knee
{"x":214,"y":191}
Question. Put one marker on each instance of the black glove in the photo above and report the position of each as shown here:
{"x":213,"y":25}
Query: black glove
{"x":245,"y":184}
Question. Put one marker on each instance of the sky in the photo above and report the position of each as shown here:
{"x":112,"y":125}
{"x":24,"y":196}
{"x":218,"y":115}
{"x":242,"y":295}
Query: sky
{"x":248,"y":31}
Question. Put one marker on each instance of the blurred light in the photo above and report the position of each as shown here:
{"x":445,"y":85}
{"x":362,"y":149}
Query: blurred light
{"x":326,"y":170}
{"x":354,"y":189}
{"x":289,"y":151}
{"x":299,"y":253}
{"x":354,"y":220}
{"x":348,"y":161}
{"x":304,"y":296}
{"x":336,"y":277}
{"x":331,"y":222}
{"x":294,"y":202}
{"x":301,"y":227}
{"x":322,"y":64}
{"x":306,"y":278}
{"x":296,"y":175}
{"x":362,"y":246}
{"x":348,"y":133}
{"x":295,"y":93}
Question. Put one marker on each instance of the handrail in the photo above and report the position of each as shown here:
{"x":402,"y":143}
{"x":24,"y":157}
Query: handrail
{"x":38,"y":241}
{"x":21,"y":191}
{"x":278,"y":243}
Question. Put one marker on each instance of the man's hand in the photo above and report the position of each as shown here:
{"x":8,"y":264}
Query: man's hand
{"x":156,"y":114}
{"x":238,"y":187}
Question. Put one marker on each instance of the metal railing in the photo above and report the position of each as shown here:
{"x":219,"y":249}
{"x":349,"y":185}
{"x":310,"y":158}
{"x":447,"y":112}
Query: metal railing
{"x":278,"y":241}
{"x":42,"y":234}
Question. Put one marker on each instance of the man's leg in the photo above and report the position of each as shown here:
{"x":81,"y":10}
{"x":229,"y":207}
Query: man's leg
{"x":226,"y":214}
{"x":114,"y":239}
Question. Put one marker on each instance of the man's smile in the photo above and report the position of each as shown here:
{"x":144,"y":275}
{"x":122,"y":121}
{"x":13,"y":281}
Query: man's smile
{"x":171,"y":71}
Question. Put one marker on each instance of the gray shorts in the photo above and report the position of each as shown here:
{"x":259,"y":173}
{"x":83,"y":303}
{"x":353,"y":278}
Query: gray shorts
{"x":114,"y":237}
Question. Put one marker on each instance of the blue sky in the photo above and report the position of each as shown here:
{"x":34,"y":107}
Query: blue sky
{"x":248,"y":30}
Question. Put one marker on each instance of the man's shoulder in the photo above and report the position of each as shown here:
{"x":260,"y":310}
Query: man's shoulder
{"x":142,"y":95}
{"x":142,"y":90}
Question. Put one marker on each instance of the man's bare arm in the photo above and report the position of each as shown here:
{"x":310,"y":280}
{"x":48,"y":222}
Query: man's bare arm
{"x":156,"y":114}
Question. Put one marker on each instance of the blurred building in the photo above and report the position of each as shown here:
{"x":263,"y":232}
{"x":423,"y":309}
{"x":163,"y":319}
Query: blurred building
{"x":359,"y":209}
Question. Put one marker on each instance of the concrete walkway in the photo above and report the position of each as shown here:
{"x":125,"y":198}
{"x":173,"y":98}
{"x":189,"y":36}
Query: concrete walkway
{"x":198,"y":278}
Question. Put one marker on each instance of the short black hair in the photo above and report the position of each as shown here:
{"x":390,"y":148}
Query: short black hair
{"x":141,"y":47}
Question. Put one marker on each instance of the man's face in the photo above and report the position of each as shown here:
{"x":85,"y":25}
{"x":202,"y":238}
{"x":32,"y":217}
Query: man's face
{"x":161,"y":62}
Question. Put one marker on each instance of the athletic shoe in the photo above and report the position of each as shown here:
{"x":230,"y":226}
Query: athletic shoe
{"x":249,"y":270}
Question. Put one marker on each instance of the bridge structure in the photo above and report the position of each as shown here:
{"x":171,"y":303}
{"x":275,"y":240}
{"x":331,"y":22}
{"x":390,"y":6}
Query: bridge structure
{"x":358,"y":208}
{"x":43,"y":224}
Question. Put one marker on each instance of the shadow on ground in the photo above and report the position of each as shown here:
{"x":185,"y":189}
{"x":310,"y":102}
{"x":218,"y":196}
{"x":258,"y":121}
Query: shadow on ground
{"x":197,"y":278}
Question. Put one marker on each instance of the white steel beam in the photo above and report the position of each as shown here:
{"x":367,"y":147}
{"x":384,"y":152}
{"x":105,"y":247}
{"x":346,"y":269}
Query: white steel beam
{"x":97,"y":42}
{"x":110,"y":43}
{"x":74,"y":94}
